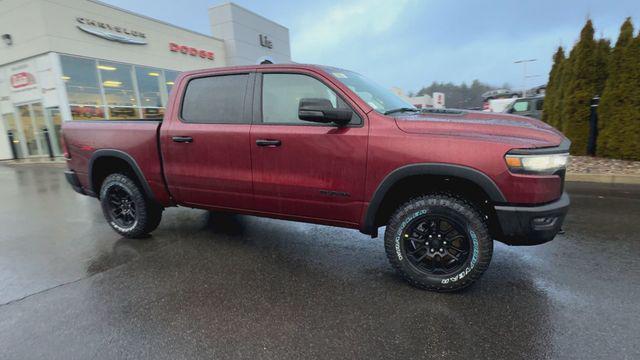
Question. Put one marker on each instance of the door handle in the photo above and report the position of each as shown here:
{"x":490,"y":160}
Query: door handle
{"x":182,"y":139}
{"x":268,"y":143}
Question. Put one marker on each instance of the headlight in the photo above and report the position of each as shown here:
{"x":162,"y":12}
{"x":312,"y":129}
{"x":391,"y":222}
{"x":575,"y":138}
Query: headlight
{"x":536,"y":164}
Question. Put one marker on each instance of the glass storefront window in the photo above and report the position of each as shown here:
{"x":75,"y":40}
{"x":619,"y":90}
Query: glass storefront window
{"x":83,"y":89}
{"x":119,"y":93}
{"x":170,"y":78}
{"x":149,"y":85}
{"x":55,"y":126}
{"x":99,"y":89}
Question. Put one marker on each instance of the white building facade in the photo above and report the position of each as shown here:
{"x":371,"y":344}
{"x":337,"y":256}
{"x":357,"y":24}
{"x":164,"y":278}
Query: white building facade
{"x":69,"y":60}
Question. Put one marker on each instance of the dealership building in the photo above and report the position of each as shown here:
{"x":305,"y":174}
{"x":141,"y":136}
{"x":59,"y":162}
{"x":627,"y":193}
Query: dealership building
{"x":73,"y":60}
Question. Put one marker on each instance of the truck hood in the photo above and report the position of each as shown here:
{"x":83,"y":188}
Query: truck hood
{"x":518,"y":130}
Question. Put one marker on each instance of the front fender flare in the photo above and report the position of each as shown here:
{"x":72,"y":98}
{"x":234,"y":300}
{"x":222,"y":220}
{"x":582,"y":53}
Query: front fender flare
{"x":463,"y":172}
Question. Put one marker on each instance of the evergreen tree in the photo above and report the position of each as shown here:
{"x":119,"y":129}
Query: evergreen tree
{"x":603,"y":56}
{"x":615,"y":94}
{"x":583,"y":83}
{"x":621,"y":134}
{"x":552,"y":98}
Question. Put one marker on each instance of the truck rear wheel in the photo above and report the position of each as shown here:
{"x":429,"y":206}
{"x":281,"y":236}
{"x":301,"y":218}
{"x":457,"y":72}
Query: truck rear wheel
{"x":126,"y":208}
{"x":438,"y":242}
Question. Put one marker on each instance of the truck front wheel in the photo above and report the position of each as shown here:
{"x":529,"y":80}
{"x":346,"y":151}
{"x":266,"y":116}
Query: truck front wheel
{"x":126,"y":208}
{"x":438,"y":242}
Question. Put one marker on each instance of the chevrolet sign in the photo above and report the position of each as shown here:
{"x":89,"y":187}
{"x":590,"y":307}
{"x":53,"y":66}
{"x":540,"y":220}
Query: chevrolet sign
{"x":110,"y":32}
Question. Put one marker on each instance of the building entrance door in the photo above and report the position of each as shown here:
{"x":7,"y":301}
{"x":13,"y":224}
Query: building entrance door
{"x":32,"y":129}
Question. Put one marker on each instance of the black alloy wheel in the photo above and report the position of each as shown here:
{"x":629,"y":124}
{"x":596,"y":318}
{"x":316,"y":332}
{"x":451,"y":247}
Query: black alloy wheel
{"x":436,"y":244}
{"x":121,"y":206}
{"x":126,"y":207}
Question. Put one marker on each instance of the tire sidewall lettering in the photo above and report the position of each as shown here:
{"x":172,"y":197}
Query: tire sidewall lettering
{"x":472,"y":264}
{"x":401,"y":228}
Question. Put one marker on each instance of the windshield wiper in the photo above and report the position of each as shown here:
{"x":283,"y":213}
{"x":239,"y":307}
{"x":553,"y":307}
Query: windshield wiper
{"x":401,"y":110}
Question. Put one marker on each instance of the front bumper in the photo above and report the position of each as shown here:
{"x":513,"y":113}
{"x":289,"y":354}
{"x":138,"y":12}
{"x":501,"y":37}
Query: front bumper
{"x":531,"y":225}
{"x":72,"y":179}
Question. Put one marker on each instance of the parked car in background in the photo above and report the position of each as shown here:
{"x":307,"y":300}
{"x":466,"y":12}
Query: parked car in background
{"x":495,"y":100}
{"x":498,"y":105}
{"x":529,"y":106}
{"x":325,"y":145}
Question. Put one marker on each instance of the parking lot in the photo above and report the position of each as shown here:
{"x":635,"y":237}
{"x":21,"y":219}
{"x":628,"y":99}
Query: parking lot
{"x":222,"y":286}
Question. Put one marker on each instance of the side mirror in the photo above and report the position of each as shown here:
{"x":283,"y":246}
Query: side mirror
{"x":322,"y":111}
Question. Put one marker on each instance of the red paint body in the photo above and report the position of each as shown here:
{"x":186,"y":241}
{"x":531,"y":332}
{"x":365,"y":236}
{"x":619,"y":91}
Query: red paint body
{"x":224,"y":169}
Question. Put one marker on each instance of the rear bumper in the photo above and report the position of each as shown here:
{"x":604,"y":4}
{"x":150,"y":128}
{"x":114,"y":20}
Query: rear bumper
{"x":532,"y":225}
{"x":72,"y":179}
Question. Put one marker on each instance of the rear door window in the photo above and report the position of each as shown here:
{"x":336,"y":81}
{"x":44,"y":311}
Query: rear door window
{"x":216,"y":100}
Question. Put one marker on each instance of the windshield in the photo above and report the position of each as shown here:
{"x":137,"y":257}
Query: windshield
{"x":378,"y":97}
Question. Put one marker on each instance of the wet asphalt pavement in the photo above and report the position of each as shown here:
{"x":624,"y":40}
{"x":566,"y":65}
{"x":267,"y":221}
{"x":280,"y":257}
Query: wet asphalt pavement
{"x":238,"y":287}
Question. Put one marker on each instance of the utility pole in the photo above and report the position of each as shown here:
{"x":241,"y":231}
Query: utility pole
{"x":524,"y":73}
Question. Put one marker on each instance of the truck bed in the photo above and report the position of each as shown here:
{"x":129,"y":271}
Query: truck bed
{"x":136,"y":139}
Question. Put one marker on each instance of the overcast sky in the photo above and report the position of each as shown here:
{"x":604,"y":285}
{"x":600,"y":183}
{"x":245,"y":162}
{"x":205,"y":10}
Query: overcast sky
{"x":410,"y":43}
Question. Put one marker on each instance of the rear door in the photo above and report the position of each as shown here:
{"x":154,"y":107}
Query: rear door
{"x":206,"y":145}
{"x":304,"y":169}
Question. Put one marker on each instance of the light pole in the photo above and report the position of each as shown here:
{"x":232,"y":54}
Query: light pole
{"x":524,"y":73}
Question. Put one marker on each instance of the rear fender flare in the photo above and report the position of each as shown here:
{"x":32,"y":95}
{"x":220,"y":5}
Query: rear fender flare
{"x":102,"y":153}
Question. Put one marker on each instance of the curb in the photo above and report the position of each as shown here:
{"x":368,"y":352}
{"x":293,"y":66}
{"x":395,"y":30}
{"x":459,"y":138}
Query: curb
{"x":32,"y":162}
{"x":604,"y":178}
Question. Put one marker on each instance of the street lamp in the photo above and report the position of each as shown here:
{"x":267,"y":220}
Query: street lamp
{"x":524,"y":73}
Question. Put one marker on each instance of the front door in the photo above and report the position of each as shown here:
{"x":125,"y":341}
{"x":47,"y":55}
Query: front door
{"x":309,"y":170}
{"x":14,"y":134}
{"x":205,"y":147}
{"x":32,"y":129}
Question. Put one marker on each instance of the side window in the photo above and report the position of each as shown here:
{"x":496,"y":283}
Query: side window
{"x":521,"y":106}
{"x":281,"y":94}
{"x":216,"y":100}
{"x":539,"y":105}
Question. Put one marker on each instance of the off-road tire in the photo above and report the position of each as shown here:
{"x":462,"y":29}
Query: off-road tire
{"x":147,"y":213}
{"x":479,"y":241}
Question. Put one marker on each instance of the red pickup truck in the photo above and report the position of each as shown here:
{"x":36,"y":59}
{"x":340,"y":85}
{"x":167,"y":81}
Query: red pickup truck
{"x":325,"y":145}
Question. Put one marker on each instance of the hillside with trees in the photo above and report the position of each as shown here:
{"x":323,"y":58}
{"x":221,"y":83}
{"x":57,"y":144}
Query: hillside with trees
{"x":461,"y":96}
